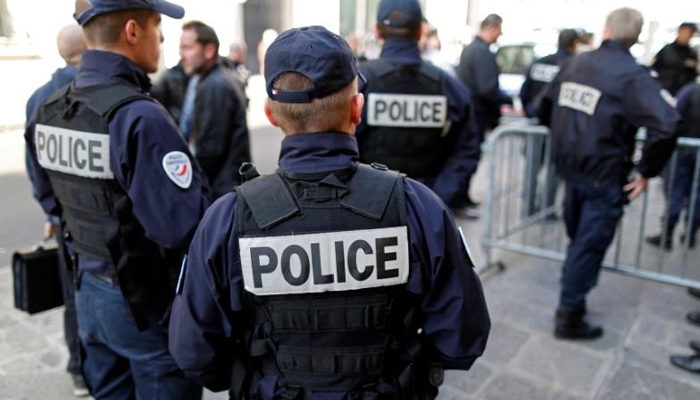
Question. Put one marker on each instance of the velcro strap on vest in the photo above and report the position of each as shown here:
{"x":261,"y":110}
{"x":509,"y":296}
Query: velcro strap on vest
{"x":332,"y":361}
{"x":368,"y":197}
{"x":269,"y":200}
{"x":353,"y":317}
{"x":105,"y":99}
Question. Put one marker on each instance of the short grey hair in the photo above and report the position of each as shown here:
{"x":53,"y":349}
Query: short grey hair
{"x":625,"y":25}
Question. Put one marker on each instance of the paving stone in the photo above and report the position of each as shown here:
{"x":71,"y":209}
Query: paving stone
{"x":611,"y":339}
{"x":6,"y":322}
{"x":563,"y":364}
{"x":54,"y":359}
{"x":449,"y":394}
{"x":23,"y":339}
{"x":617,"y":291}
{"x":668,"y":303}
{"x":509,"y":386}
{"x":467,"y":382}
{"x":504,"y":343}
{"x":523,"y":316}
{"x":630,"y":382}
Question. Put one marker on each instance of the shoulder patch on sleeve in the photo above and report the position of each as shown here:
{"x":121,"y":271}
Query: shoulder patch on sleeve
{"x":178,"y":168}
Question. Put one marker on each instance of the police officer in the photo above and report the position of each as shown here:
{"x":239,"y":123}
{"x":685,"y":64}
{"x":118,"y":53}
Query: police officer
{"x":594,"y":107}
{"x":110,"y":161}
{"x":543,"y":70}
{"x":681,"y":182}
{"x":417,"y":118}
{"x":329,"y":279}
{"x":677,"y":63}
{"x":540,"y":73}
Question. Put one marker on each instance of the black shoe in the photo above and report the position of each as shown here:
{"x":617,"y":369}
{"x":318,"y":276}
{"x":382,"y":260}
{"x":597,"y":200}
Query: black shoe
{"x":691,"y":242}
{"x":79,"y":387}
{"x":572,"y":325}
{"x":465,"y":213}
{"x":656,"y":241}
{"x":693,"y":317}
{"x":688,"y":363}
{"x":694,"y":292}
{"x":695,"y":345}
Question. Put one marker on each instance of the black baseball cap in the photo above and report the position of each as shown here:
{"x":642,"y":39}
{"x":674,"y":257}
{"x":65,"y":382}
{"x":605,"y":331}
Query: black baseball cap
{"x":408,"y":13}
{"x":318,"y":54}
{"x":85,"y":10}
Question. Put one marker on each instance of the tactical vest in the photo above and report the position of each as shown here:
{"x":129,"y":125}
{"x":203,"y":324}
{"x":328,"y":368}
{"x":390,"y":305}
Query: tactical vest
{"x":73,"y":146}
{"x":325,"y":261}
{"x":690,"y":124}
{"x":407,"y":118}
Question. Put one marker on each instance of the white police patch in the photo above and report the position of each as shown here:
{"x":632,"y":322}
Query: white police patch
{"x":333,"y":261}
{"x":406,"y":110}
{"x":178,"y":168}
{"x":73,"y":152}
{"x":543,"y":72}
{"x":579,"y":97}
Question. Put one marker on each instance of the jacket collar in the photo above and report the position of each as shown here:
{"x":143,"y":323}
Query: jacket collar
{"x":404,"y":51}
{"x":104,"y":68}
{"x":318,"y":152}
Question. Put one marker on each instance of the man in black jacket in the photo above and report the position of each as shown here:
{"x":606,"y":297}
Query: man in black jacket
{"x":676,"y":62}
{"x":479,"y":72}
{"x":213,"y":114}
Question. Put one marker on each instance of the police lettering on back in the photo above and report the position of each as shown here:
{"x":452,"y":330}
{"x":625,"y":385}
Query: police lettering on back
{"x":422,"y":111}
{"x":73,"y":152}
{"x":335,"y":261}
{"x":579,"y":97}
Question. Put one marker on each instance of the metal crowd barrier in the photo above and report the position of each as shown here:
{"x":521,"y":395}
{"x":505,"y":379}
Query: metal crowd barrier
{"x":524,"y":210}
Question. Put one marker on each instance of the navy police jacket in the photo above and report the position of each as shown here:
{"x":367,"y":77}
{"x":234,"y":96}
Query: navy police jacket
{"x":594,"y":108}
{"x":540,"y":73}
{"x":451,"y":182}
{"x":140,"y":135}
{"x":211,"y":288}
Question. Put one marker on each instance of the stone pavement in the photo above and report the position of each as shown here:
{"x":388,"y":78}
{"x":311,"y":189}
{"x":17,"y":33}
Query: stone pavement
{"x":644,"y":324}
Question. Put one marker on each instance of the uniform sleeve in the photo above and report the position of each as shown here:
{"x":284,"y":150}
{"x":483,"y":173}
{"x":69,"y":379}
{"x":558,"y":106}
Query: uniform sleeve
{"x":526,"y":95}
{"x":456,"y":320}
{"x":142,"y":135}
{"x":201,"y":330}
{"x":646,"y":107}
{"x":451,"y":183}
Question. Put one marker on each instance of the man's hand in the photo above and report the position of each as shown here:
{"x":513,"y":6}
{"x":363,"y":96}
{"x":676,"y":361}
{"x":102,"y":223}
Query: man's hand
{"x":49,"y":230}
{"x":636,"y":187}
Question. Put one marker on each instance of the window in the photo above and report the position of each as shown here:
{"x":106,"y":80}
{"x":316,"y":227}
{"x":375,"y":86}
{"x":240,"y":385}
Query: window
{"x":5,"y":20}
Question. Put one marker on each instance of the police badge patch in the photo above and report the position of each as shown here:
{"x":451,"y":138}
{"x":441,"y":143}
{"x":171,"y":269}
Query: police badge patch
{"x":178,"y":168}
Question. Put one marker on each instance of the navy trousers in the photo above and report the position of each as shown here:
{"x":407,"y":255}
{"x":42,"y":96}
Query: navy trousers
{"x":591,"y":215}
{"x":681,"y":191}
{"x":120,"y":361}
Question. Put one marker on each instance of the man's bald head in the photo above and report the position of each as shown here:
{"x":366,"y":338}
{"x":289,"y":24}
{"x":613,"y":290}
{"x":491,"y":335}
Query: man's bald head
{"x":71,"y":44}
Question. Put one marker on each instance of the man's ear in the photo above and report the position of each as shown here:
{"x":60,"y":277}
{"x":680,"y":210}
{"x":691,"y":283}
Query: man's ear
{"x":210,"y":52}
{"x":358,"y":102}
{"x":269,"y":115}
{"x":132,"y":31}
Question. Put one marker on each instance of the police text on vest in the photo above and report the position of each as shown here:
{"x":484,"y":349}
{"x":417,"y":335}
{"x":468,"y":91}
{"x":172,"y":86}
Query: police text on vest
{"x":579,"y":97}
{"x":334,"y":261}
{"x":73,"y":152}
{"x":543,"y":72}
{"x":406,"y":110}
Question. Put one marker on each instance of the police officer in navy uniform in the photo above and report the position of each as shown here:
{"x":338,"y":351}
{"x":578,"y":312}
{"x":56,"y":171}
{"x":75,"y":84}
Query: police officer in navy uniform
{"x":418,"y":118}
{"x":328,"y":279}
{"x":594,"y":107}
{"x":543,"y":70}
{"x":681,"y":182}
{"x":540,"y":73}
{"x":111,"y":163}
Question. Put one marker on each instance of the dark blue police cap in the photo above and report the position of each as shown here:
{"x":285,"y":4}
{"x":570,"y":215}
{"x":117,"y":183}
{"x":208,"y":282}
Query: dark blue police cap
{"x":85,"y":10}
{"x":318,"y":54}
{"x":408,"y":13}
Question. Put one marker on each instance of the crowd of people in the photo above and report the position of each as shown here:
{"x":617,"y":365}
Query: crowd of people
{"x":343,"y":274}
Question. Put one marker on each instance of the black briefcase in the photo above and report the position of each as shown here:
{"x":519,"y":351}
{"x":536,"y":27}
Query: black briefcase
{"x":37,"y":279}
